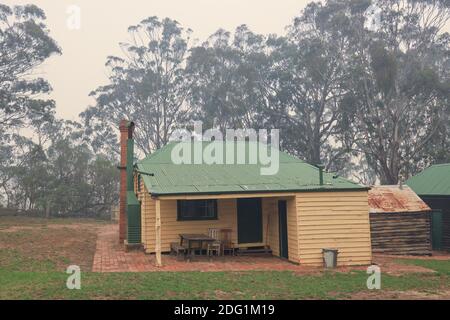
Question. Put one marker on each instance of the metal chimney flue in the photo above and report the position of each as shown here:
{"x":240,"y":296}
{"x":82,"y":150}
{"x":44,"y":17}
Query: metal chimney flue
{"x":321,"y":168}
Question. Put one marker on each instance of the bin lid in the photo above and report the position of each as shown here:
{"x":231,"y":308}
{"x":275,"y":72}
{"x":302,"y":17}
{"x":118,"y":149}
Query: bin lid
{"x":332,"y":250}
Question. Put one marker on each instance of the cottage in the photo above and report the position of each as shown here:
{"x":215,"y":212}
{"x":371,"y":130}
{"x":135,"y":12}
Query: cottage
{"x":400,"y":222}
{"x":295,"y":213}
{"x":433,"y":186}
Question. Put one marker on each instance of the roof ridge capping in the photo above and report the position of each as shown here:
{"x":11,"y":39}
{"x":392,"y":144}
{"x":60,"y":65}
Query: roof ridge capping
{"x":284,"y":156}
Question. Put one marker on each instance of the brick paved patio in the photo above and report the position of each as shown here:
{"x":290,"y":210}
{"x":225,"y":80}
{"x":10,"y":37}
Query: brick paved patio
{"x":111,"y":257}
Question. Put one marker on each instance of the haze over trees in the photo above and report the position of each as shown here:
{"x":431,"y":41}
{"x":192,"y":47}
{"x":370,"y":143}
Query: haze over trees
{"x":44,"y":163}
{"x":364,"y":91}
{"x":400,"y":87}
{"x":361,"y":86}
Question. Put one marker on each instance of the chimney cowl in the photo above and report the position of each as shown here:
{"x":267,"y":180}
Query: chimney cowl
{"x":127,"y":126}
{"x":321,"y":168}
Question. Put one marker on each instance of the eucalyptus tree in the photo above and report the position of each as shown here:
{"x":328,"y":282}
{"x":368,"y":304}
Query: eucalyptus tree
{"x":61,"y":177}
{"x":25,"y":44}
{"x":306,"y":83}
{"x":400,"y":85}
{"x":226,"y":72}
{"x":294,"y":83}
{"x":80,"y":181}
{"x":147,"y":85}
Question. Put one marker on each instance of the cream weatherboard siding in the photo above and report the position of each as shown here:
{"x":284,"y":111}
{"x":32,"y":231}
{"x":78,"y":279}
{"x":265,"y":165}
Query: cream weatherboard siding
{"x":273,"y":227}
{"x":316,"y":220}
{"x":337,"y":220}
{"x":292,"y":219}
{"x":171,"y":228}
{"x":148,"y":219}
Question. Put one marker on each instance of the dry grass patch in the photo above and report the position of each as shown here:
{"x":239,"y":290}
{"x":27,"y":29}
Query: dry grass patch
{"x":47,"y":245}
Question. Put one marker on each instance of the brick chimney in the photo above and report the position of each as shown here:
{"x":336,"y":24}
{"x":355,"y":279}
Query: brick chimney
{"x":126,"y":132}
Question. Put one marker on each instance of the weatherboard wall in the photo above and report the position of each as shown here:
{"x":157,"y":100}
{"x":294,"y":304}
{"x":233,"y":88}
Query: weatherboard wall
{"x":171,"y":228}
{"x":293,"y":235}
{"x":274,"y":227}
{"x":227,"y":218}
{"x":335,"y":220}
{"x":270,"y":207}
{"x":316,"y":220}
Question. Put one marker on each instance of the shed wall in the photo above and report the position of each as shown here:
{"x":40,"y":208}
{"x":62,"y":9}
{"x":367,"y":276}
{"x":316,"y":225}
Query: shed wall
{"x":401,"y":233}
{"x":441,"y":203}
{"x":446,"y":230}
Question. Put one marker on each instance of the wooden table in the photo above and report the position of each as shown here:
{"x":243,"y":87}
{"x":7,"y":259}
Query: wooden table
{"x":190,"y":238}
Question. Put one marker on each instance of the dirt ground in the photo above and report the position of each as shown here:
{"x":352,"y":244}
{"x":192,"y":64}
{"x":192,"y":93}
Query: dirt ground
{"x":39,"y":244}
{"x":388,"y":264}
{"x":401,"y":295}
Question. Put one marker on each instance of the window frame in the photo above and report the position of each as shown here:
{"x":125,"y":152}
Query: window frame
{"x":199,"y":218}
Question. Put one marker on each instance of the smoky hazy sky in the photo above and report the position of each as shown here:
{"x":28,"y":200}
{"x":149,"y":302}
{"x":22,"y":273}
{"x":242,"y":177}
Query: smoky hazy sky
{"x":80,"y":69}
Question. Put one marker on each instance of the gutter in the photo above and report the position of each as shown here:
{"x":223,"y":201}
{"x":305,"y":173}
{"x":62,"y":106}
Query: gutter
{"x":154,"y":194}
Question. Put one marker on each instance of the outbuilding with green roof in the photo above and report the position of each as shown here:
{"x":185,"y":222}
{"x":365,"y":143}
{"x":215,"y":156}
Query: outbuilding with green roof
{"x":433,"y":186}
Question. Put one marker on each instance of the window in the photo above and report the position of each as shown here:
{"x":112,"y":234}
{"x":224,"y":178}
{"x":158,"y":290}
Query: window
{"x":197,"y":210}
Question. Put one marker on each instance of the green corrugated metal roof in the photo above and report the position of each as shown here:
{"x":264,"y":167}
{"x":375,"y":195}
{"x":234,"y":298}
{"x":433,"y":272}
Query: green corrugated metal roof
{"x":433,"y":181}
{"x":293,"y":175}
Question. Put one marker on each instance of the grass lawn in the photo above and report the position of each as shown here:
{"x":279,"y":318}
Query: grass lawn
{"x":440,"y":266}
{"x":33,"y":257}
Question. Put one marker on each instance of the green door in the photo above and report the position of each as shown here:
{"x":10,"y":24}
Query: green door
{"x":436,"y":229}
{"x":249,"y":216}
{"x":283,"y":230}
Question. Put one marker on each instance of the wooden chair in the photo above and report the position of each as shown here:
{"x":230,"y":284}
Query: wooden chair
{"x":176,"y":248}
{"x":227,"y":242}
{"x":216,"y":246}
